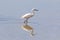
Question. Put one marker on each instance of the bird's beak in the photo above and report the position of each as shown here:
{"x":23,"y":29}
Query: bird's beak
{"x":36,"y":10}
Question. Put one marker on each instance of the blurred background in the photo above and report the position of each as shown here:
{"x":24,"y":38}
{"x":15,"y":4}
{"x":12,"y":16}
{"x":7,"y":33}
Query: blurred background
{"x":46,"y":21}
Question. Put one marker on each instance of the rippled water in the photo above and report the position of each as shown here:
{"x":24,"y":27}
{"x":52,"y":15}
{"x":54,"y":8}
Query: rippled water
{"x":11,"y":29}
{"x":46,"y":22}
{"x":45,"y":28}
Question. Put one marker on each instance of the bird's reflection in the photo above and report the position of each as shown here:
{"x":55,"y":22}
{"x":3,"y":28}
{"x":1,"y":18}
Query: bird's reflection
{"x":28,"y":28}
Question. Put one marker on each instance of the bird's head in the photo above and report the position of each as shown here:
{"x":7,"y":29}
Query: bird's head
{"x":34,"y":9}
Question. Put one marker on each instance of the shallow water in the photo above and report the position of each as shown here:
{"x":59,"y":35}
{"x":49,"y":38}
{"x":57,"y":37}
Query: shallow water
{"x":46,"y":22}
{"x":47,"y":29}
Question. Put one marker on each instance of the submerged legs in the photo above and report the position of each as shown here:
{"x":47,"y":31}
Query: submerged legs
{"x":26,"y":21}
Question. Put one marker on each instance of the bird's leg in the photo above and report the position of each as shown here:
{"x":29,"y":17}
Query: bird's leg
{"x":26,"y":21}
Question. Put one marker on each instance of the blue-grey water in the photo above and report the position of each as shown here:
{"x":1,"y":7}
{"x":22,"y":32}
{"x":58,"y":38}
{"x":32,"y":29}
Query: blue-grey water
{"x":46,"y":28}
{"x":46,"y":21}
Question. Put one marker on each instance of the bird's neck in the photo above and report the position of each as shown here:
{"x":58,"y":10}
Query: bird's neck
{"x":33,"y":12}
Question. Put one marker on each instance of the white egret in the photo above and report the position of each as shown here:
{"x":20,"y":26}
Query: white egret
{"x":29,"y":15}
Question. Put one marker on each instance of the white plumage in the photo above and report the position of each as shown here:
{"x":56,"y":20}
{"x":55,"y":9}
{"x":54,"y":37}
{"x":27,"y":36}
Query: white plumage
{"x":29,"y":15}
{"x":26,"y":17}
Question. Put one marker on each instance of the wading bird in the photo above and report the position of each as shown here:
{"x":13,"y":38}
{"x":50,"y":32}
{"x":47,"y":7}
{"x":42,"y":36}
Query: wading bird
{"x":29,"y":15}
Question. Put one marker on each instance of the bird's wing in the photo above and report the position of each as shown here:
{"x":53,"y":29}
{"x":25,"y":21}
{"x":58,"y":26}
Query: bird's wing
{"x":27,"y":15}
